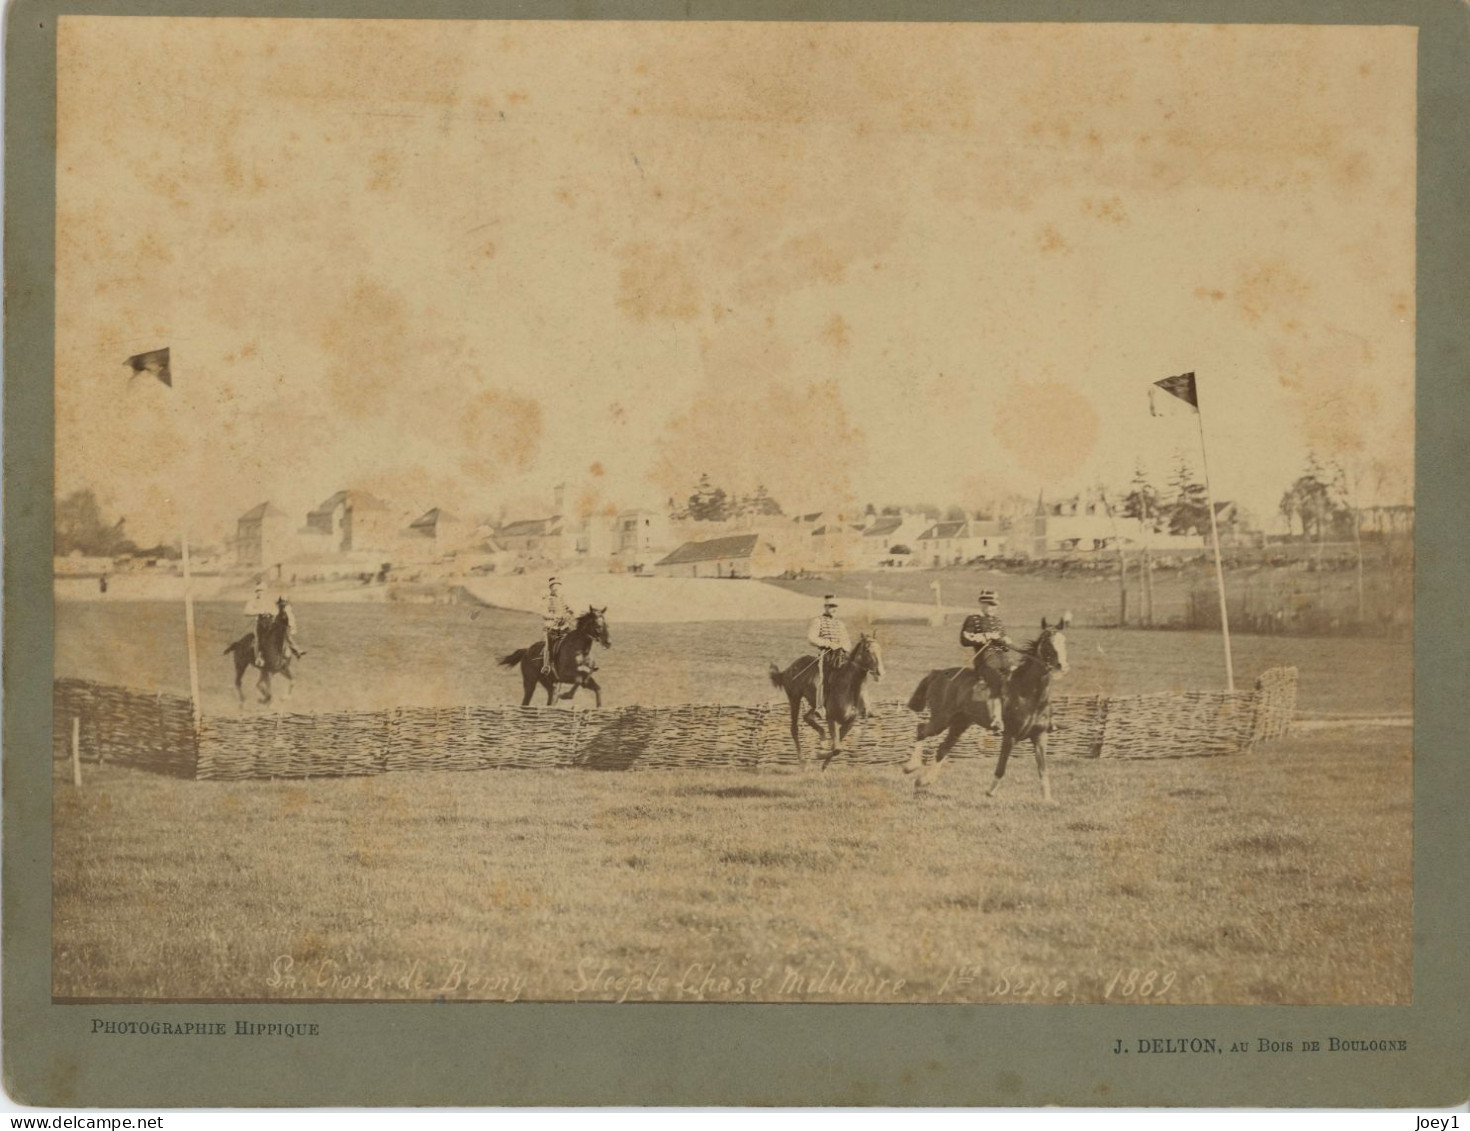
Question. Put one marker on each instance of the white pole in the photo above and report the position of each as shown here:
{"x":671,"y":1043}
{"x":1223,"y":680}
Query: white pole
{"x":938,"y":603}
{"x":1215,"y":537}
{"x":189,"y":630}
{"x":181,"y":409}
{"x":76,"y":752}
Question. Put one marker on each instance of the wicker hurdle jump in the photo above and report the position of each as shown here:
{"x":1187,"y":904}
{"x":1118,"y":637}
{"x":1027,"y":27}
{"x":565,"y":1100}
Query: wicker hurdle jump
{"x":156,"y":732}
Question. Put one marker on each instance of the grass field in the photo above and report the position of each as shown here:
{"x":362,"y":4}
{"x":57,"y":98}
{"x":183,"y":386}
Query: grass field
{"x":1281,"y":876}
{"x":372,"y":656}
{"x":1277,"y":876}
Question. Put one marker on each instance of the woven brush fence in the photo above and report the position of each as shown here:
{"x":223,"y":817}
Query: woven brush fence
{"x":151,"y":731}
{"x":154,"y":731}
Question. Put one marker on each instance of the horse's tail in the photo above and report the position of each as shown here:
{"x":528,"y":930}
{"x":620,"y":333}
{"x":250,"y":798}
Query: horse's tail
{"x":237,"y":644}
{"x":513,"y":659}
{"x":919,"y":700}
{"x":777,"y":679}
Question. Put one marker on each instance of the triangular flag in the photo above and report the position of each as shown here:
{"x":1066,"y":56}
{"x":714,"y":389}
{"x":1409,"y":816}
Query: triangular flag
{"x":1181,"y":386}
{"x":154,"y":362}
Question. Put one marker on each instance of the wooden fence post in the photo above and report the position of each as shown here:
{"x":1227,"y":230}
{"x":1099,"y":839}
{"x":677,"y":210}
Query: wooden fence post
{"x":76,"y":751}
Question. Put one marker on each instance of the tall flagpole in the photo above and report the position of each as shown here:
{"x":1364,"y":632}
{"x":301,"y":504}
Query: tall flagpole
{"x":189,"y":628}
{"x":1215,"y":537}
{"x":188,"y":514}
{"x":158,"y":363}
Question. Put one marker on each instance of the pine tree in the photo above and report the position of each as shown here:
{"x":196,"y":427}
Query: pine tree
{"x":1142,"y":501}
{"x":1188,"y":509}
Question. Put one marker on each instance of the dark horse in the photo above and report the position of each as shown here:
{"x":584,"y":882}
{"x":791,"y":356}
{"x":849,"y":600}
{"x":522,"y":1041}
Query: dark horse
{"x":273,"y":646}
{"x":840,"y":696}
{"x":954,"y":704}
{"x":591,"y":627}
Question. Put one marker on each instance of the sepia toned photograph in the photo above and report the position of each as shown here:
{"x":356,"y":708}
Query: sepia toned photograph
{"x":699,"y":512}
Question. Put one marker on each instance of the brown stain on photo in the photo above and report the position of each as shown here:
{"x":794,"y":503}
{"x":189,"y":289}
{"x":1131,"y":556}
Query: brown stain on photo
{"x":1049,"y":427}
{"x":837,"y":333}
{"x":657,"y":283}
{"x":1049,"y":240}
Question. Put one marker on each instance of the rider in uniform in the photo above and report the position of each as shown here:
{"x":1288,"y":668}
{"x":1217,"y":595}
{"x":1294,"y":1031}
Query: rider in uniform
{"x":255,"y":609}
{"x":827,"y":635}
{"x":985,"y":633}
{"x":557,"y":621}
{"x":284,"y":609}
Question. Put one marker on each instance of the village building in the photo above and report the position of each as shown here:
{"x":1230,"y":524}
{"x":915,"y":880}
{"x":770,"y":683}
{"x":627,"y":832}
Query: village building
{"x":1071,"y":525}
{"x":735,"y":555}
{"x":836,"y":544}
{"x":892,"y":539}
{"x":263,"y":537}
{"x":353,"y":521}
{"x":534,"y":539}
{"x":642,"y":538}
{"x":435,"y":534}
{"x":954,"y":542}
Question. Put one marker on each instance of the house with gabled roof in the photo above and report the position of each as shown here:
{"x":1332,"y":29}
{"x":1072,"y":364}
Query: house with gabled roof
{"x":262,"y":536}
{"x":353,"y":520}
{"x":893,"y":539}
{"x":735,"y":555}
{"x":954,"y":542}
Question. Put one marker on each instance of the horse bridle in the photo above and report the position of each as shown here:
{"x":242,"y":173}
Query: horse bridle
{"x":867,"y":656}
{"x":1040,"y":659}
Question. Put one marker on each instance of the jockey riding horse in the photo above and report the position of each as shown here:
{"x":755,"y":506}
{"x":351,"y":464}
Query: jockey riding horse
{"x":558,"y":620}
{"x":828,"y":636}
{"x":985,"y":634}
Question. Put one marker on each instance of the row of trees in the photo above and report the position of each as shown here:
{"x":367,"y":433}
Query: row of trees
{"x":81,"y":527}
{"x":710,"y":503}
{"x":1183,"y":509}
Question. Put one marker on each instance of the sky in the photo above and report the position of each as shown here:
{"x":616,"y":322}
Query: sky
{"x":457,"y":263}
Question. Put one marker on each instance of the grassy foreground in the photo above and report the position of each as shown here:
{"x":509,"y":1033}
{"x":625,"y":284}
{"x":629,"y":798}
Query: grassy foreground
{"x":1281,"y":876}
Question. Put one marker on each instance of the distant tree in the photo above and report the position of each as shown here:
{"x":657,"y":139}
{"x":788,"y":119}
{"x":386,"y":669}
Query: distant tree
{"x":892,"y":510}
{"x":760,"y":502}
{"x":1188,"y":509}
{"x":955,"y":514}
{"x":80,"y":526}
{"x":708,"y":503}
{"x":1316,"y":499}
{"x":1142,"y":501}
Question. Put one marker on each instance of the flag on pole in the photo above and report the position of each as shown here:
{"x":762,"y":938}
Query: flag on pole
{"x":1181,"y":386}
{"x":154,"y":362}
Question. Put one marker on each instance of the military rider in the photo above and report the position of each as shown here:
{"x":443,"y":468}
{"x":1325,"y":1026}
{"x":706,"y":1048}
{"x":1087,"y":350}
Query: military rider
{"x":284,"y":610}
{"x":255,"y":609}
{"x":557,"y":621}
{"x":985,"y":633}
{"x":828,"y":636}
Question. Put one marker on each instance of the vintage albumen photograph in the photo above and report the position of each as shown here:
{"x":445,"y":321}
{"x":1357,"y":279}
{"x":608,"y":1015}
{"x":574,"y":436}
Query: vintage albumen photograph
{"x":733,"y":512}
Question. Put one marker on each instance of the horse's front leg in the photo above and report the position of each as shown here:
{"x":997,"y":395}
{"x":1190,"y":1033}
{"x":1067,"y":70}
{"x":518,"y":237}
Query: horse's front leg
{"x":795,"y":701}
{"x":810,"y":717}
{"x":593,"y":686}
{"x":838,"y":738}
{"x":1006,"y":742}
{"x":1038,"y":740}
{"x":263,"y":685}
{"x":956,"y":728}
{"x":922,"y":733}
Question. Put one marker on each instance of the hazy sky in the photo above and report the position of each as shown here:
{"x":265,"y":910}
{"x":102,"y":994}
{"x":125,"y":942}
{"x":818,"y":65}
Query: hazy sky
{"x":456,"y":263}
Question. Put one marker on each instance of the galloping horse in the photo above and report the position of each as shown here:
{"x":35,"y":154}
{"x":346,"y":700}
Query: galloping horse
{"x":954,"y":703}
{"x":840,"y":696}
{"x":591,"y":627}
{"x":277,"y":660}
